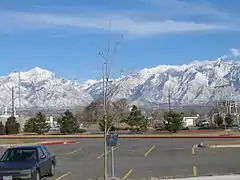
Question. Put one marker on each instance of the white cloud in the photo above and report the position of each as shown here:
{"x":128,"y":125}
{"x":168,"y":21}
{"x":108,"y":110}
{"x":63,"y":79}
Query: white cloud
{"x":26,"y":20}
{"x":174,"y":8}
{"x":231,"y":54}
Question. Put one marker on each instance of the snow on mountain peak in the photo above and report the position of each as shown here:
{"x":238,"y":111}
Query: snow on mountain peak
{"x":89,"y":83}
{"x":37,"y":73}
{"x":39,"y":70}
{"x":34,"y":74}
{"x":147,"y":72}
{"x":42,"y":88}
{"x":192,"y":83}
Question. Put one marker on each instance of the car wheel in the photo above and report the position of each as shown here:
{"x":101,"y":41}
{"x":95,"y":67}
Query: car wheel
{"x":37,"y":176}
{"x":52,"y":170}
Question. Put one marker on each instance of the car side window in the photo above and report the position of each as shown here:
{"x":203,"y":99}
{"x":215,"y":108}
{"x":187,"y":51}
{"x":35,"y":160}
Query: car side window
{"x":40,"y":152}
{"x":45,"y":151}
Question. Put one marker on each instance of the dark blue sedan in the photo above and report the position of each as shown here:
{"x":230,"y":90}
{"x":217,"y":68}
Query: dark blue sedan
{"x":27,"y":162}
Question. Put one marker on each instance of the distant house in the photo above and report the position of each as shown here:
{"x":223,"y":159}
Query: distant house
{"x":52,"y":122}
{"x":190,"y":121}
{"x":5,"y":114}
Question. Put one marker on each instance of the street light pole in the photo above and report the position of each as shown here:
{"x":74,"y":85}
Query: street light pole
{"x":12,"y":94}
{"x":222,"y":104}
{"x":169,"y":100}
{"x":19,"y":91}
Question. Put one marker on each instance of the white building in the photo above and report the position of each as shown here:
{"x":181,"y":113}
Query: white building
{"x":190,"y":121}
{"x":52,"y":122}
{"x":6,"y":114}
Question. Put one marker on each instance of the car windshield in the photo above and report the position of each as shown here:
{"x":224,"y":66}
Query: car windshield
{"x":16,"y":155}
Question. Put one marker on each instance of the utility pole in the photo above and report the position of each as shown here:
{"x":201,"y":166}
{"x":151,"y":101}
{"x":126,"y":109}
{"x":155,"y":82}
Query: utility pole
{"x":19,"y":91}
{"x":35,"y":95}
{"x":169,"y":100}
{"x":13,"y":102}
{"x":222,"y":104}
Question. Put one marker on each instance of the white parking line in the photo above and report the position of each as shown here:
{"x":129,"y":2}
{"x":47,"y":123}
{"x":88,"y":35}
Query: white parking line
{"x":64,"y":175}
{"x":74,"y":151}
{"x":103,"y":153}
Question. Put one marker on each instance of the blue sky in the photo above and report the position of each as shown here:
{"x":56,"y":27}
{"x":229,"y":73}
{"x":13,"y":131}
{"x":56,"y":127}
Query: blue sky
{"x":65,"y":36}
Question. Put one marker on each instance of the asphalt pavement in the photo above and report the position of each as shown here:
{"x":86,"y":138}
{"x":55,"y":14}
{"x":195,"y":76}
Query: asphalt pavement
{"x":143,"y":158}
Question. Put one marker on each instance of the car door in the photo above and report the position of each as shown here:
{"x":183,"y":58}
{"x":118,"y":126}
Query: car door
{"x":48,"y":157}
{"x":42,"y":162}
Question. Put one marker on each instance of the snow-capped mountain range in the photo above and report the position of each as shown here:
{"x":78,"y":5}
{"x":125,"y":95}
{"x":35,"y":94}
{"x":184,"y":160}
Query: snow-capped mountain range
{"x":41,"y":89}
{"x":191,"y":83}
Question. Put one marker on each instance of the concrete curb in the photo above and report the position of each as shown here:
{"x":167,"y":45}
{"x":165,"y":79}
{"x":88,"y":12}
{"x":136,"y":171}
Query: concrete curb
{"x":41,"y":143}
{"x":147,"y":136}
{"x":56,"y":143}
{"x":195,"y":131}
{"x":224,"y":177}
{"x":202,"y":145}
{"x":224,"y":146}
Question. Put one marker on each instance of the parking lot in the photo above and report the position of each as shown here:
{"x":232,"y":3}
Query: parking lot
{"x":141,"y":159}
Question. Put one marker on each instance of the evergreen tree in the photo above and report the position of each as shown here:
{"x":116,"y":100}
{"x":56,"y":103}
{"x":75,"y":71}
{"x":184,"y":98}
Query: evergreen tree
{"x":2,"y":128}
{"x":37,"y":124}
{"x":12,"y":126}
{"x":136,"y":120}
{"x":30,"y":126}
{"x":218,"y":120}
{"x":68,"y":123}
{"x":18,"y":127}
{"x":173,"y":121}
{"x":229,"y":119}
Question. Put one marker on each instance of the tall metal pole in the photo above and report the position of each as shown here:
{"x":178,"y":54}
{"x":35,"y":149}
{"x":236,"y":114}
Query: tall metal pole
{"x":231,"y":93}
{"x":224,"y":108}
{"x":19,"y":91}
{"x":222,"y":103}
{"x":169,"y":100}
{"x":113,"y":163}
{"x":35,"y":95}
{"x":12,"y":101}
